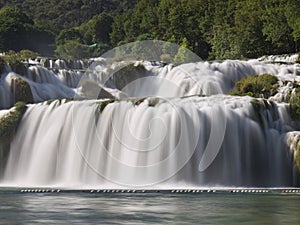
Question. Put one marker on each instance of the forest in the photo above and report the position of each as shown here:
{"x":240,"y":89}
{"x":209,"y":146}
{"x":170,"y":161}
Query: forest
{"x":213,"y":29}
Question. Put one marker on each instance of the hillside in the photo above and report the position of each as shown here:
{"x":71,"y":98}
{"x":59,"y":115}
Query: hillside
{"x":213,"y":29}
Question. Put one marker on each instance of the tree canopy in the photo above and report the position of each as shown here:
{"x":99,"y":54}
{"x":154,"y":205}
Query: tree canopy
{"x":214,"y":29}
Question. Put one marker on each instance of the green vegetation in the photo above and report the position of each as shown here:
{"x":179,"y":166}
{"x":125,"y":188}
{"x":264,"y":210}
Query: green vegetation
{"x":18,"y":31}
{"x":214,"y":29}
{"x":138,"y":101}
{"x":16,"y":60}
{"x":153,"y":102}
{"x":297,"y":158}
{"x":103,"y":104}
{"x":10,"y":122}
{"x":135,"y":101}
{"x":264,"y":86}
{"x":294,"y":144}
{"x":60,"y":100}
{"x":21,"y":91}
{"x":294,"y":100}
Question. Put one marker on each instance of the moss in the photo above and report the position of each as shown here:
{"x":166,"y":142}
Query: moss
{"x":66,"y":100}
{"x":21,"y":91}
{"x":265,"y":85}
{"x":153,"y":102}
{"x":103,"y":104}
{"x":294,"y":99}
{"x":138,"y":101}
{"x":10,"y":122}
{"x":8,"y":126}
{"x":297,"y":157}
{"x":135,"y":101}
{"x":258,"y":106}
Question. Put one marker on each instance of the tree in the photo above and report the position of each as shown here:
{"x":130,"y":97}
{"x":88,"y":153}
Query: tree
{"x":67,"y":35}
{"x":72,"y":49}
{"x":276,"y":28}
{"x":13,"y":26}
{"x":293,"y":19}
{"x":102,"y":27}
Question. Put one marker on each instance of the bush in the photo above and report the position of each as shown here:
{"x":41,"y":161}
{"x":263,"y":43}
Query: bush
{"x":27,"y":54}
{"x":73,"y":49}
{"x":14,"y":60}
{"x":256,"y":86}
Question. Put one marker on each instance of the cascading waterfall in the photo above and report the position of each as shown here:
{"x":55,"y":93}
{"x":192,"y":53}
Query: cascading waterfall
{"x":74,"y":144}
{"x":176,"y":139}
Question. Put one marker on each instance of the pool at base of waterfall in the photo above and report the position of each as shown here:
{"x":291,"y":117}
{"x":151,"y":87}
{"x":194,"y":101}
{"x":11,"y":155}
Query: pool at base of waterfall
{"x":75,"y":207}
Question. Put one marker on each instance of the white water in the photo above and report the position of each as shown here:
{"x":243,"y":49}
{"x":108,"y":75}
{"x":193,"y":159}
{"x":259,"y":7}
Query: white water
{"x":72,"y":145}
{"x":203,"y":78}
{"x":194,"y":141}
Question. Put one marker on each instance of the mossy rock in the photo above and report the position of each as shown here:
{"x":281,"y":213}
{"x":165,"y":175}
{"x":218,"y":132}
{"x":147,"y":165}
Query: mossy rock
{"x":127,"y":74}
{"x":294,"y":144}
{"x":8,"y":126}
{"x":92,"y":90}
{"x":297,"y":158}
{"x":257,"y":86}
{"x":138,"y":101}
{"x":153,"y":102}
{"x":61,"y":100}
{"x":21,"y":91}
{"x":10,"y":122}
{"x":261,"y":105}
{"x":103,"y":104}
{"x":19,"y":68}
{"x":294,"y":99}
{"x":258,"y":106}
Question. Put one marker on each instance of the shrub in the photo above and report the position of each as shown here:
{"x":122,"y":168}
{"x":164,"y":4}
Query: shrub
{"x":14,"y":60}
{"x":73,"y":49}
{"x":256,"y":86}
{"x":27,"y":54}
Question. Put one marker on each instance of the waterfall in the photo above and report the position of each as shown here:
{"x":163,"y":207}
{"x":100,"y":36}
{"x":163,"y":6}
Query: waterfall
{"x":81,"y":144}
{"x":164,"y":126}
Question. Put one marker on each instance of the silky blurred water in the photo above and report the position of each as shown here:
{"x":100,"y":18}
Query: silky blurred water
{"x":148,"y":208}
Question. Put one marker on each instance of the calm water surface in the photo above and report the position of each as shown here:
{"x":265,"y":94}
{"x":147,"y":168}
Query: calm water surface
{"x":149,"y":208}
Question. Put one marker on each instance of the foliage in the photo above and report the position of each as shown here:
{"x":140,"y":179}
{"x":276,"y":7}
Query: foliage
{"x":17,"y":32}
{"x":68,"y":35}
{"x":27,"y":54}
{"x":15,"y":60}
{"x":73,"y":49}
{"x":10,"y":122}
{"x":216,"y":29}
{"x":256,"y":86}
